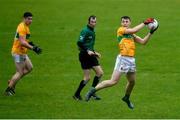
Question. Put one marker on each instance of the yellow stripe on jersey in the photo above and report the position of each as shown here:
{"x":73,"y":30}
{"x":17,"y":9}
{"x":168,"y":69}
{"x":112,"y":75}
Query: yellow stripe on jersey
{"x":22,"y":30}
{"x":126,"y":42}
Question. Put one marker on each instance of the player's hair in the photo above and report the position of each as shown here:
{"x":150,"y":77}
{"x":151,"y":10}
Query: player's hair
{"x":91,"y":17}
{"x":27,"y":14}
{"x":125,"y":17}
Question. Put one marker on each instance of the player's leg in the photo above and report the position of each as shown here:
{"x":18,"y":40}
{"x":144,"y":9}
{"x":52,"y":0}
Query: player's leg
{"x":108,"y":83}
{"x":131,"y":82}
{"x":15,"y":78}
{"x":85,"y":80}
{"x":115,"y":75}
{"x":104,"y":84}
{"x":129,"y":87}
{"x":28,"y":66}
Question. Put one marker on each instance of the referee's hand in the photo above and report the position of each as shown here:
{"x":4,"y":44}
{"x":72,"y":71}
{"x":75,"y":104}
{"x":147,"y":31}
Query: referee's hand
{"x":98,"y":55}
{"x":90,"y":52}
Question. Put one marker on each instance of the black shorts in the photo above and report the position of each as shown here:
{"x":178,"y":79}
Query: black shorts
{"x":87,"y":61}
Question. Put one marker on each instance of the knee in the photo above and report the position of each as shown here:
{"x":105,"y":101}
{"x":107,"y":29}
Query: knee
{"x":100,"y":74}
{"x":87,"y":78}
{"x":30,"y":69}
{"x":112,"y":82}
{"x":26,"y":71}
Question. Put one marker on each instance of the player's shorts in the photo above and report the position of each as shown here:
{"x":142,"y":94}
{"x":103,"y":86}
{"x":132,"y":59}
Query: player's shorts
{"x":125,"y":64}
{"x":19,"y":58}
{"x":87,"y":61}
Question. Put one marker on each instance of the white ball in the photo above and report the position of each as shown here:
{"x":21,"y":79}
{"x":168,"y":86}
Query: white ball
{"x":153,"y":25}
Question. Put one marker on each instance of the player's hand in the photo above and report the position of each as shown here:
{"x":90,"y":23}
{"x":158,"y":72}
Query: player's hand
{"x":153,"y":30}
{"x":148,"y":20}
{"x":37,"y":49}
{"x":31,"y":43}
{"x":98,"y":55}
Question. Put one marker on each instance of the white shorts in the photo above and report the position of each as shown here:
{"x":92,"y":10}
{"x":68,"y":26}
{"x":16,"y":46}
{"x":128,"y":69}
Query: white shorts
{"x":125,"y":64}
{"x":19,"y":58}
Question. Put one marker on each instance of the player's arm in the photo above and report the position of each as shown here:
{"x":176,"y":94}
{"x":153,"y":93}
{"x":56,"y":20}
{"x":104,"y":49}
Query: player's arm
{"x":139,"y":27}
{"x":24,"y":43}
{"x":31,"y":43}
{"x":134,"y":29}
{"x":140,"y":40}
{"x":30,"y":46}
{"x":146,"y":38}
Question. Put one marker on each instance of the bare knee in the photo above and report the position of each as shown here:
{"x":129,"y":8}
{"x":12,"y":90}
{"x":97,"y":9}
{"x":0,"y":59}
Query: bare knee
{"x":27,"y":70}
{"x":86,"y":78}
{"x":100,"y":74}
{"x":114,"y":82}
{"x":30,"y":68}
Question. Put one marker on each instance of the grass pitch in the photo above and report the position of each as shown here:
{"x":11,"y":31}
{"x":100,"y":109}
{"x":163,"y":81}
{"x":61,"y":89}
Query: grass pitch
{"x":47,"y":91}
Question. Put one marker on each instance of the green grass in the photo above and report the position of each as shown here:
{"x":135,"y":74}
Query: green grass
{"x":47,"y":91}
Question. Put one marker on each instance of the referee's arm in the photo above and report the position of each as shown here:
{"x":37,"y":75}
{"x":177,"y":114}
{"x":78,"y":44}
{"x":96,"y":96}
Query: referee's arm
{"x":81,"y":41}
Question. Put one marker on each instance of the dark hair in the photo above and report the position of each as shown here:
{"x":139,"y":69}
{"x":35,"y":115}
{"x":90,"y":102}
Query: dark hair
{"x":91,"y":17}
{"x":125,"y":17}
{"x":27,"y":14}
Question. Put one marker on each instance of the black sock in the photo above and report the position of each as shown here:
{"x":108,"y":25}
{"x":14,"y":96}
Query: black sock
{"x":127,"y":96}
{"x":81,"y":86}
{"x":8,"y":89}
{"x":95,"y":81}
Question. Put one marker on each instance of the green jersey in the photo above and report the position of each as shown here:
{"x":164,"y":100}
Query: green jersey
{"x":86,"y":39}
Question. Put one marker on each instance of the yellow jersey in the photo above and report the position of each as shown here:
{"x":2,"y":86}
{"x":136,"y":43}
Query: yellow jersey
{"x":22,"y":30}
{"x":126,"y":42}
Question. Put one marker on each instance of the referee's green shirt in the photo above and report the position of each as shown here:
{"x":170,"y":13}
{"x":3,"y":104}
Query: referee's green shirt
{"x":86,"y":39}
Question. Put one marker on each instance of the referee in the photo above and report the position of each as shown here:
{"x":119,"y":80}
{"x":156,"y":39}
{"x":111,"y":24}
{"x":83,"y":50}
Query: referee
{"x":88,"y":57}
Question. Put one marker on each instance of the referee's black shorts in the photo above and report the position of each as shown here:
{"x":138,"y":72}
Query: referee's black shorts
{"x":87,"y":61}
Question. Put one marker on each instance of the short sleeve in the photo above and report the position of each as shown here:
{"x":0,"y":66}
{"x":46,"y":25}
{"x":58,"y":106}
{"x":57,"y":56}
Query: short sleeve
{"x":121,"y":31}
{"x":21,"y":30}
